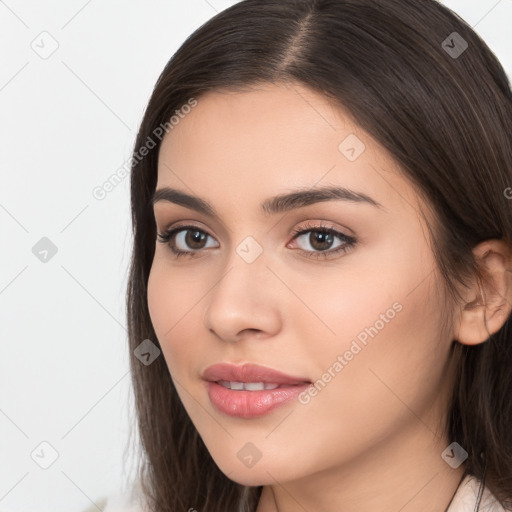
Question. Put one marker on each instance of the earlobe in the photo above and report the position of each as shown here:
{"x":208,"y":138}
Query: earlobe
{"x":487,"y":303}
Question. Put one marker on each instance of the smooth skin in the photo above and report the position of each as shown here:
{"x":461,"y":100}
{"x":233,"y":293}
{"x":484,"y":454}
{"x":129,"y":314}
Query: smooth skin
{"x":372,"y":438}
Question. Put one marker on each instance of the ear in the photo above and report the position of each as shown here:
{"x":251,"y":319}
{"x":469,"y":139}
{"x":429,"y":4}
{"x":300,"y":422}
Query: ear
{"x":487,"y":304}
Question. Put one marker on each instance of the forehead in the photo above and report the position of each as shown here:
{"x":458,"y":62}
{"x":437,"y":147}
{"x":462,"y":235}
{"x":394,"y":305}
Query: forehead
{"x":271,"y":139}
{"x":273,"y":114}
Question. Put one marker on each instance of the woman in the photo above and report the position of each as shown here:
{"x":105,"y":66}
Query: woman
{"x":320,"y":290}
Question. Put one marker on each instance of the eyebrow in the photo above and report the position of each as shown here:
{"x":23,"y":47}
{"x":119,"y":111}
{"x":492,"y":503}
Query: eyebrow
{"x":278,"y":204}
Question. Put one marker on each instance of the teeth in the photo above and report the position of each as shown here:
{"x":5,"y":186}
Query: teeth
{"x":248,"y":386}
{"x":254,"y":386}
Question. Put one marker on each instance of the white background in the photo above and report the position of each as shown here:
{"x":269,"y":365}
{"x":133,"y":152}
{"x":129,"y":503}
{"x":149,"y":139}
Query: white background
{"x":68,"y":123}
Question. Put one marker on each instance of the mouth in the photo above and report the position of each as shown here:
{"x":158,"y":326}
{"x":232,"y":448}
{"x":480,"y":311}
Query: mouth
{"x":250,"y":390}
{"x":250,"y":374}
{"x":253,"y":386}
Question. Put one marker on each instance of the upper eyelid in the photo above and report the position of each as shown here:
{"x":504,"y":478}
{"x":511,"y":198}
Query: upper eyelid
{"x":308,"y":227}
{"x":225,"y":229}
{"x":296,"y":232}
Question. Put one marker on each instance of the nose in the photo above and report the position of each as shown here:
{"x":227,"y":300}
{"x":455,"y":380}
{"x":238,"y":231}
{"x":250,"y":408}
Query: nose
{"x":244,"y":301}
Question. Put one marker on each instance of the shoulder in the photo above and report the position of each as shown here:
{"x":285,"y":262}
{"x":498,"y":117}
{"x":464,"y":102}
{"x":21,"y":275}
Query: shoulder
{"x":467,"y":494}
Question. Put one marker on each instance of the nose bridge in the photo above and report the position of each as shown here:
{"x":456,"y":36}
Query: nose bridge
{"x":241,"y":298}
{"x":245,"y":274}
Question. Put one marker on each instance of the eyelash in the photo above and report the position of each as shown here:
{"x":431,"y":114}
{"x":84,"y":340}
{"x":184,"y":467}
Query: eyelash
{"x":349,"y":241}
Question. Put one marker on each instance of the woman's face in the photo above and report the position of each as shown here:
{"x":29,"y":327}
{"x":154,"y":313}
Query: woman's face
{"x":358,"y":316}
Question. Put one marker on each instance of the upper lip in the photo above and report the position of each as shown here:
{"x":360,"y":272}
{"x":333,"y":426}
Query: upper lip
{"x":249,"y":373}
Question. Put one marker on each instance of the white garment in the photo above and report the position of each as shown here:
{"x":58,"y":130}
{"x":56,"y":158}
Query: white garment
{"x":464,"y":500}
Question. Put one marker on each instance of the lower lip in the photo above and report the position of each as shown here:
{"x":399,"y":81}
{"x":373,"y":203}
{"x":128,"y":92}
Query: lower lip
{"x":251,"y":404}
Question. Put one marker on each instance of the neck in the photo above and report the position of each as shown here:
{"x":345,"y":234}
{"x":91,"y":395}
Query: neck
{"x":405,"y":474}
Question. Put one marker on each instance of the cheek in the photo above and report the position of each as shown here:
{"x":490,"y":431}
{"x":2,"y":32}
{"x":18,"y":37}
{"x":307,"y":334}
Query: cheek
{"x":383,"y":316}
{"x":400,"y":369}
{"x":171,"y":299}
{"x":160,"y":301}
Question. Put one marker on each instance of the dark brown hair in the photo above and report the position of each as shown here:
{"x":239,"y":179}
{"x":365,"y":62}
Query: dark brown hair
{"x":447,"y":121}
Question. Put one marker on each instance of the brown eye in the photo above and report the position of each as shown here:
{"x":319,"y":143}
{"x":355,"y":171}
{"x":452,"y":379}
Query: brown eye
{"x":194,"y":239}
{"x":185,"y":240}
{"x":321,"y":239}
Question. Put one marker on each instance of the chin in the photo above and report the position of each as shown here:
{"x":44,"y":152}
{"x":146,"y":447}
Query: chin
{"x":237,"y":471}
{"x":249,"y":478}
{"x":263,"y":472}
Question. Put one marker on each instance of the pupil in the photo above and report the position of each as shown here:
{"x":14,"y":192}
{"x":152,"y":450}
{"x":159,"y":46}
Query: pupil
{"x":321,"y":238}
{"x":194,"y":237}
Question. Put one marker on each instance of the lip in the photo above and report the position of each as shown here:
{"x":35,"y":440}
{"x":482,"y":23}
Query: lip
{"x":250,"y":404}
{"x":249,"y":373}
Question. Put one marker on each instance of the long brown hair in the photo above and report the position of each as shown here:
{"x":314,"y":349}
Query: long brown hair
{"x":443,"y":111}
